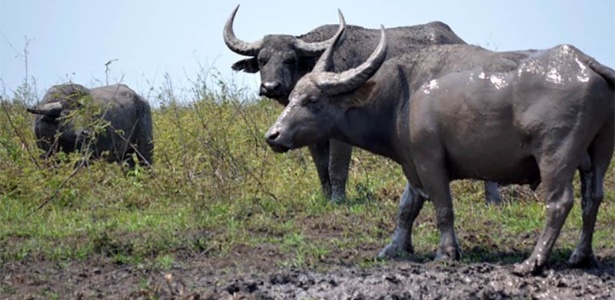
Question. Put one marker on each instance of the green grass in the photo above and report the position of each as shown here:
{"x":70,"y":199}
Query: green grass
{"x":217,"y":190}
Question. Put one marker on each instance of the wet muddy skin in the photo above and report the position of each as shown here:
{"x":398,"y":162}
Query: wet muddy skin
{"x":197,"y":279}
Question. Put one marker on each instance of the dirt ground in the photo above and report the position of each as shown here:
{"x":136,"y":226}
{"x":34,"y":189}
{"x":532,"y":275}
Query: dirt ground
{"x":245,"y":276}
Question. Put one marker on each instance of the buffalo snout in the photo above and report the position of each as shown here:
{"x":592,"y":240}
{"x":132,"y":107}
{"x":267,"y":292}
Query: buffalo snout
{"x":271,"y":89}
{"x":275,"y":142}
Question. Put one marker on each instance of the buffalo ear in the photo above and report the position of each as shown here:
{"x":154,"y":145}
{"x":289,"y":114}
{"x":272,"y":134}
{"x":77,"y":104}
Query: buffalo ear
{"x":362,"y":95}
{"x":249,"y":65}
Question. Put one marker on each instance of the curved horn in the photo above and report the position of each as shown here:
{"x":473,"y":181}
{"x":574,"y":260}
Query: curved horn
{"x":325,"y":63}
{"x":52,"y":109}
{"x":315,"y":49}
{"x":236,"y":45}
{"x":344,"y":82}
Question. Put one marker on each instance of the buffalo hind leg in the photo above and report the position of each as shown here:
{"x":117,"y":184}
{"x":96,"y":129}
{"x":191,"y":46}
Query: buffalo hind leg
{"x":559,"y":196}
{"x":144,"y":151}
{"x":591,"y":196}
{"x":410,"y":205}
{"x":320,"y":156}
{"x":592,"y":191}
{"x":339,"y":162}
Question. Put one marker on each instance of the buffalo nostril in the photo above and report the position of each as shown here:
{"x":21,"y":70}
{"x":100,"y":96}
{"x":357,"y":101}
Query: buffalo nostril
{"x":276,"y":141}
{"x":270,"y":87}
{"x":273,"y":135}
{"x":274,"y":86}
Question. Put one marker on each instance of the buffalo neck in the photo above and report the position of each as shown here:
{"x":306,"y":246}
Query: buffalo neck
{"x":370,"y":127}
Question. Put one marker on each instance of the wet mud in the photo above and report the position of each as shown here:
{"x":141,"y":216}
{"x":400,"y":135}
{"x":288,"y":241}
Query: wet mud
{"x":201,"y":279}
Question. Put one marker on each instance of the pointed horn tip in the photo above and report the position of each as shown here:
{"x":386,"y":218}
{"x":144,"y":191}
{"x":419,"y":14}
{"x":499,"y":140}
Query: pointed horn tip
{"x":235,"y":44}
{"x":383,"y":32}
{"x":341,"y":16}
{"x":232,"y":15}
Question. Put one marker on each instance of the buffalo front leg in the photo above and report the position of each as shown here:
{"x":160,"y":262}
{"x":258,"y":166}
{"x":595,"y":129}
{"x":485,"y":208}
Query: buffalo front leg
{"x":410,"y":205}
{"x":433,"y":176}
{"x":320,"y":156}
{"x":339,"y":162}
{"x":492,"y":193}
{"x":440,"y":195}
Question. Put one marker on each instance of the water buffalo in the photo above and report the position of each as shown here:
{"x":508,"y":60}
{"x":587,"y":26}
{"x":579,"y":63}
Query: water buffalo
{"x":459,"y":111}
{"x":283,"y":59}
{"x":109,"y":121}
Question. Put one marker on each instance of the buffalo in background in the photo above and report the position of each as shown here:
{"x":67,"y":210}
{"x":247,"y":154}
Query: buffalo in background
{"x":111,"y":122}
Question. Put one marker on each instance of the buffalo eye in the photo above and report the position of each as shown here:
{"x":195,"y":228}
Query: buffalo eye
{"x":262,"y":61}
{"x":290,"y":61}
{"x":311,"y":101}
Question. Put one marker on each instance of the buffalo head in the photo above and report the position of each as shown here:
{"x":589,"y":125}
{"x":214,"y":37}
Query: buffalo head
{"x":321,"y":99}
{"x":281,"y":59}
{"x":54,"y":127}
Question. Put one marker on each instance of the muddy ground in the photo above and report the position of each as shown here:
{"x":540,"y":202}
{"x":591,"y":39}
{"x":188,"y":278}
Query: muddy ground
{"x":253,"y":277}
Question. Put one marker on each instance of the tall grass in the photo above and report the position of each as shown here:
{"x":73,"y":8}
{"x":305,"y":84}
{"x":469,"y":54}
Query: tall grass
{"x":216,"y":189}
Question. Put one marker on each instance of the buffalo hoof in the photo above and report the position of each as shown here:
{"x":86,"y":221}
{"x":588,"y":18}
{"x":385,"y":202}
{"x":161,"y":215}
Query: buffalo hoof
{"x":579,"y":260}
{"x":528,"y":267}
{"x":395,"y":250}
{"x":450,"y":253}
{"x":337,"y":199}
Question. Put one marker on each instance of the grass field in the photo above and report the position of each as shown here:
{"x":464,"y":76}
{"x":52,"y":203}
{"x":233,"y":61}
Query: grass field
{"x":216,"y":189}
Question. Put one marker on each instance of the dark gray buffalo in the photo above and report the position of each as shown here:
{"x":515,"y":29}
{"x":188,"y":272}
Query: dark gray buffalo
{"x":283,"y":59}
{"x":459,"y":111}
{"x":109,"y":121}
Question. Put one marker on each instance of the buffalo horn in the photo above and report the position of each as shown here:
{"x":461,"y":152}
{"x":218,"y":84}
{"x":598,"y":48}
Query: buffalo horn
{"x":344,"y":82}
{"x":236,"y":45}
{"x":52,"y":109}
{"x":316,"y":48}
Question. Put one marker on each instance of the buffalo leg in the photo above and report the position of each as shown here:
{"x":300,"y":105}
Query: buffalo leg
{"x":429,"y":159}
{"x":410,"y":205}
{"x":320,"y":156}
{"x":339,"y":162}
{"x":433,"y":176}
{"x":144,"y":151}
{"x":440,"y":195}
{"x":592,"y":192}
{"x":492,"y":193}
{"x":590,"y":201}
{"x":558,"y":192}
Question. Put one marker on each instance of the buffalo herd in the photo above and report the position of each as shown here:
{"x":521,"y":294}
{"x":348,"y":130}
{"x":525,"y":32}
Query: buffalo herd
{"x":418,"y":95}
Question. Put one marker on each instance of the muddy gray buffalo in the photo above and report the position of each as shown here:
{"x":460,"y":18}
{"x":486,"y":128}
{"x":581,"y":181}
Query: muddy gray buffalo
{"x":459,"y":111}
{"x":283,"y":59}
{"x":111,"y":121}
